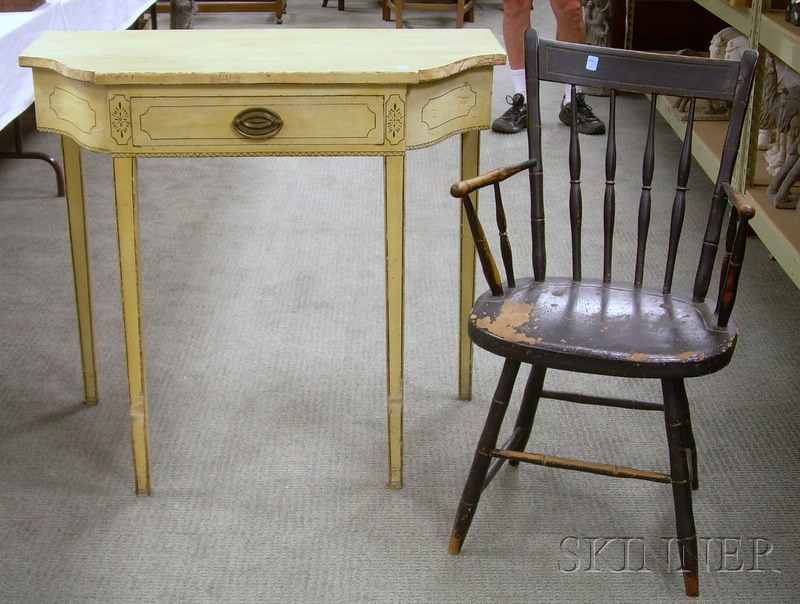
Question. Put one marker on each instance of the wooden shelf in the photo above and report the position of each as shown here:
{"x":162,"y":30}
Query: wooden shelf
{"x":778,"y":230}
{"x":776,"y":35}
{"x":738,"y":17}
{"x":782,"y":39}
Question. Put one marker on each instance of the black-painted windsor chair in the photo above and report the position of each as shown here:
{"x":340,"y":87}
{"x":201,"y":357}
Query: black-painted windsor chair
{"x":604,"y":325}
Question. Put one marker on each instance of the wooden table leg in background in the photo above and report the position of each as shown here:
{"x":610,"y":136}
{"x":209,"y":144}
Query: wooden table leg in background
{"x":394,"y":195}
{"x":125,"y":188}
{"x":79,"y":247}
{"x":470,"y":163}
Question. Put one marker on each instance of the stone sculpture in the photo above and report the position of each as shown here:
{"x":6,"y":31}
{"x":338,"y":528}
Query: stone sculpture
{"x":180,"y":14}
{"x":787,"y":126}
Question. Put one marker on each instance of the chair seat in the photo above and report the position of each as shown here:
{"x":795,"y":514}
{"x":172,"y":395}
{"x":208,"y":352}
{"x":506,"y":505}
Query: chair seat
{"x":555,"y":323}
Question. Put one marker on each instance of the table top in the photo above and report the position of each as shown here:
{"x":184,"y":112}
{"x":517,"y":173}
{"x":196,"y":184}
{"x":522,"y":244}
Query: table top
{"x":263,"y":56}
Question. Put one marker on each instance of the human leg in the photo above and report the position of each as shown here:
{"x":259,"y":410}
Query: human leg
{"x":516,"y":19}
{"x":571,"y":27}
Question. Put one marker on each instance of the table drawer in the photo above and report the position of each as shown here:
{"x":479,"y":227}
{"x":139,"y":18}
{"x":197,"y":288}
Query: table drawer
{"x":303,"y":120}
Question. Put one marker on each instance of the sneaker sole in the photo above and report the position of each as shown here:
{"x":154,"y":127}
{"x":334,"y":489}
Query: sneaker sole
{"x":502,"y":130}
{"x":581,"y":128}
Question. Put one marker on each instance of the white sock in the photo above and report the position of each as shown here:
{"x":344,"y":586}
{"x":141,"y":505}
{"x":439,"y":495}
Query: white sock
{"x":567,"y":93}
{"x":518,"y":79}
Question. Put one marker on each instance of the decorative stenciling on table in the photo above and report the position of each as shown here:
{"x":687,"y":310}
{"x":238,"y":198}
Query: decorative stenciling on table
{"x":119,"y":112}
{"x":73,"y":109}
{"x":395,"y":119}
{"x":451,"y":105}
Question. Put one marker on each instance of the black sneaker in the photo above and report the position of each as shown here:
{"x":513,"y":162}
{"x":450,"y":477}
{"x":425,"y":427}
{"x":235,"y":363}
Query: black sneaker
{"x":588,"y":122}
{"x":515,"y":119}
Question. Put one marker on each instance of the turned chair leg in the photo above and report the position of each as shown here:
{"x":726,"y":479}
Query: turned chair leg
{"x":691,"y":447}
{"x":480,"y":463}
{"x":675,"y":416}
{"x":527,"y":409}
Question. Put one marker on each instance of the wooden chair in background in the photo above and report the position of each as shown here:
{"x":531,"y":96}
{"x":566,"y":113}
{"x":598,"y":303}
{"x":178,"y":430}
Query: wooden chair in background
{"x":623,"y":328}
{"x":339,"y":4}
{"x":464,"y":9}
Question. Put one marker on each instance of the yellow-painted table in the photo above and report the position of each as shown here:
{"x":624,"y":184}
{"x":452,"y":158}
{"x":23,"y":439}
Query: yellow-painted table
{"x":258,"y":92}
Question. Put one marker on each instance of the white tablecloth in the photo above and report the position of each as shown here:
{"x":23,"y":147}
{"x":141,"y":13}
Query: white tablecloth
{"x":18,"y":30}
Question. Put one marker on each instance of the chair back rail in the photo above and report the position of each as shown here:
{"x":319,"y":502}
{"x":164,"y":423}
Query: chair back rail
{"x":643,"y":72}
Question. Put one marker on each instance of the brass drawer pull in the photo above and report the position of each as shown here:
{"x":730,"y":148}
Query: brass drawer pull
{"x":257,"y":122}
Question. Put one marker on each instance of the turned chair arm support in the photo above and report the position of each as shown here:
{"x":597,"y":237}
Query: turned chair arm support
{"x":462,"y":190}
{"x":735,"y":242}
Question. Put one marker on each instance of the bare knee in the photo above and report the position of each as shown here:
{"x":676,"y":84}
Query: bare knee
{"x":517,"y":10}
{"x":568,"y":13}
{"x":569,"y":20}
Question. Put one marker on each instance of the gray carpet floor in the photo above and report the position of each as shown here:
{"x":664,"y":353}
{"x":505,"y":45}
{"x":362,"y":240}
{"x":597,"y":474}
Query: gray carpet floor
{"x":263,"y":287}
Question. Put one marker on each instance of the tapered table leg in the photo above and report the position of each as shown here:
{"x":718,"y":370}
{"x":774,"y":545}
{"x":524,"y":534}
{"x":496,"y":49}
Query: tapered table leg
{"x":125,"y":188}
{"x":470,"y":164}
{"x":79,"y":246}
{"x":394,"y":193}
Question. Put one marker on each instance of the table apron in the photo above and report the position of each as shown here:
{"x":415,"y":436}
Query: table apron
{"x":200,"y":120}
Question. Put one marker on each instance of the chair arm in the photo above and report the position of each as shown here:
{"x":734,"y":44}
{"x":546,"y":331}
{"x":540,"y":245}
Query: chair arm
{"x":739,"y":201}
{"x":464,"y":187}
{"x":462,"y":190}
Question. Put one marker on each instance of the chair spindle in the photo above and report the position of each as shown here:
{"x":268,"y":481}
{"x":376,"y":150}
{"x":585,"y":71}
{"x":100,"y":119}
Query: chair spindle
{"x":679,"y":203}
{"x":538,"y":248}
{"x":727,"y":296}
{"x":575,"y":196}
{"x":609,"y":200}
{"x":735,"y":243}
{"x":648,"y":164}
{"x":482,"y":247}
{"x":505,"y":242}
